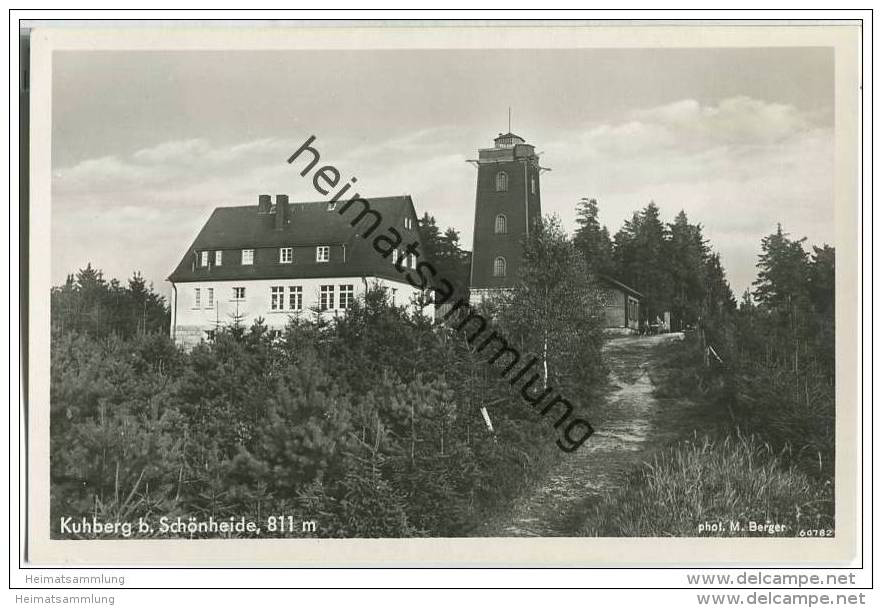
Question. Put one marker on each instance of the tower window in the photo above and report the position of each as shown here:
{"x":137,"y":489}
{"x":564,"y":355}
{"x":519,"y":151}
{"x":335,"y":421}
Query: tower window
{"x":501,"y":226}
{"x":499,"y":267}
{"x":532,"y":185}
{"x":502,"y":181}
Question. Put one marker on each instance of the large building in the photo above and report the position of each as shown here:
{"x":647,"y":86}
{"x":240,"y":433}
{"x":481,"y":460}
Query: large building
{"x":274,"y":261}
{"x":507,"y":203}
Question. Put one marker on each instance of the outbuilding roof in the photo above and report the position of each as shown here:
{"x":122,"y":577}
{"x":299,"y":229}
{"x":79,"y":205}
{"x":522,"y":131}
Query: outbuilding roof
{"x":619,"y":285}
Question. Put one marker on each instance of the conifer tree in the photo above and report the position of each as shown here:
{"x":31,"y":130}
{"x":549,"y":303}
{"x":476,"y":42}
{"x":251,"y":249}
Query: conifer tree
{"x":718,"y":298}
{"x":783,"y":271}
{"x":686,"y":258}
{"x":592,"y":239}
{"x":444,"y":252}
{"x":89,"y":303}
{"x":640,"y":258}
{"x":822,"y":280}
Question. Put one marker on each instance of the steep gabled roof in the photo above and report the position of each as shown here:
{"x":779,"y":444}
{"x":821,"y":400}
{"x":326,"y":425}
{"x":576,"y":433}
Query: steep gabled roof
{"x":308,"y":224}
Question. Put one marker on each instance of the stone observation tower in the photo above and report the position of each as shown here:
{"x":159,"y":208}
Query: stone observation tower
{"x":507,"y":204}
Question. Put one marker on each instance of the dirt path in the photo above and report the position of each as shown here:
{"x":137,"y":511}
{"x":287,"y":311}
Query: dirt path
{"x":630,"y":425}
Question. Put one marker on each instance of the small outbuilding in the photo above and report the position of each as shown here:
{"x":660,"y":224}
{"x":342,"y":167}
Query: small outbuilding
{"x":621,"y":305}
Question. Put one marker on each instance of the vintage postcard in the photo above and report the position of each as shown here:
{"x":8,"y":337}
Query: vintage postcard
{"x":396,"y":294}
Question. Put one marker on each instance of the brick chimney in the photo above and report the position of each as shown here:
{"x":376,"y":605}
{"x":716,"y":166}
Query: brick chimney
{"x":281,"y":211}
{"x":264,"y":203}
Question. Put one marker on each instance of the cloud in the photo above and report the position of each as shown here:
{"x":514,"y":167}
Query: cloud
{"x":151,"y":203}
{"x":738,"y":166}
{"x":734,"y":121}
{"x":169,"y":165}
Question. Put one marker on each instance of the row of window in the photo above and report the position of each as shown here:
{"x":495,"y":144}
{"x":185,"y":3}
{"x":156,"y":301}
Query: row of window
{"x":408,"y":221}
{"x":322,"y":254}
{"x":197,"y":298}
{"x":278,"y":301}
{"x":286,"y":256}
{"x":294,"y":301}
{"x":238,"y":296}
{"x":502,"y":183}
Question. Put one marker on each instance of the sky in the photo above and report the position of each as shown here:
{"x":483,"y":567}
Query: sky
{"x":145,"y":144}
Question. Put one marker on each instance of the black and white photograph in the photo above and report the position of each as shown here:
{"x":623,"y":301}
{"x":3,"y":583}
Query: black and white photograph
{"x":374,"y":290}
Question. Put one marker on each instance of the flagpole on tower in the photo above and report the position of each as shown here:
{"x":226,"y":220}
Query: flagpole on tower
{"x":509,"y":119}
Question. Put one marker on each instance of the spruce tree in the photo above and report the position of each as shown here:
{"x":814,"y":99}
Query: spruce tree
{"x":592,"y":239}
{"x":783,"y":272}
{"x":686,"y":258}
{"x":639,"y":252}
{"x":443,"y":251}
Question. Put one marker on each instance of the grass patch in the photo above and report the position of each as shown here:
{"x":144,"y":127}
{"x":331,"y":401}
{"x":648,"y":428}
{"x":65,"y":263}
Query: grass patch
{"x":705,"y":480}
{"x":678,"y":369}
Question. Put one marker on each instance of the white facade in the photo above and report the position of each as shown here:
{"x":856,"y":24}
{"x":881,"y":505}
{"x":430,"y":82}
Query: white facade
{"x":274,"y":300}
